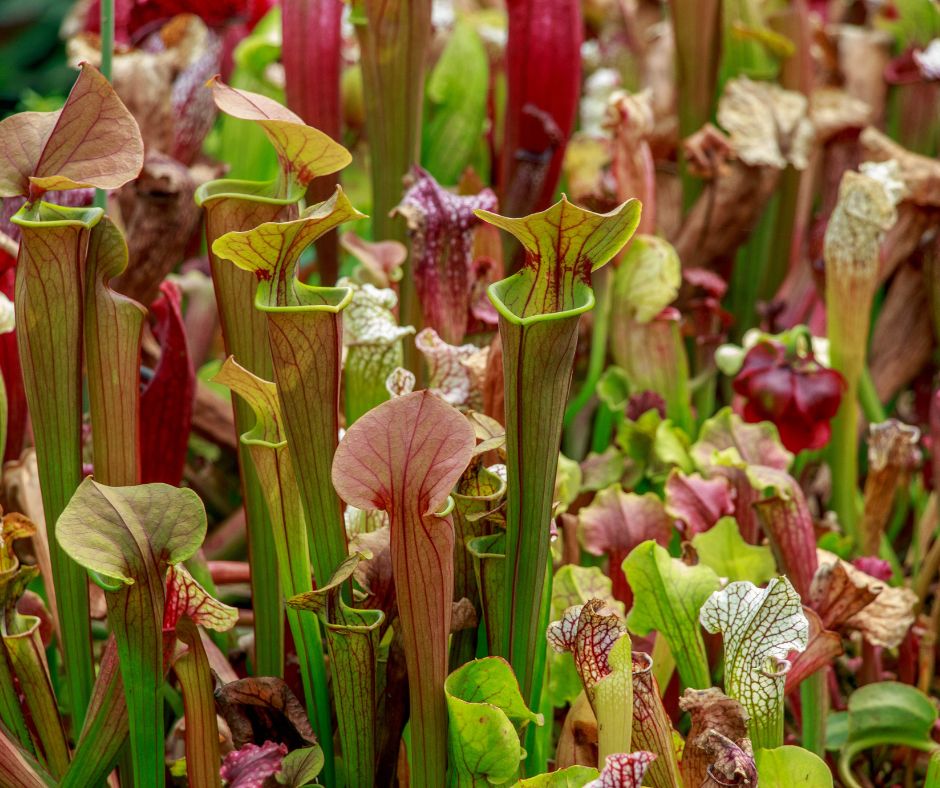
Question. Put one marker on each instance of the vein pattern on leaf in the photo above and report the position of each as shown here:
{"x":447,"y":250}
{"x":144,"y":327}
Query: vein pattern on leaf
{"x":563,"y":245}
{"x":760,"y":627}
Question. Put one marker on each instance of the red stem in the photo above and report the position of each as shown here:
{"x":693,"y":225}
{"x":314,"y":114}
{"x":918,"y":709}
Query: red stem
{"x":311,"y":53}
{"x":544,"y":79}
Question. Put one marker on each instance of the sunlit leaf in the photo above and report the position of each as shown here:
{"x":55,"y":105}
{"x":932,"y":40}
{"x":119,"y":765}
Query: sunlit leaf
{"x":487,"y":713}
{"x":668,"y":596}
{"x":570,"y":777}
{"x":647,"y":279}
{"x":303,"y":152}
{"x":887,"y":712}
{"x":723,"y":549}
{"x":784,"y":767}
{"x":300,"y":767}
{"x":457,"y":91}
{"x":46,"y":151}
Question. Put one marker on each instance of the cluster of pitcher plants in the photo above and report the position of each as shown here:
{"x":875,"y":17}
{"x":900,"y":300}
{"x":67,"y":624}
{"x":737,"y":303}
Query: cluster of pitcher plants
{"x":602,"y":452}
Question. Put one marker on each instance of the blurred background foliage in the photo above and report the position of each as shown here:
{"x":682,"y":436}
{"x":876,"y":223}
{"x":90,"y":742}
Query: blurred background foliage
{"x":33,"y":71}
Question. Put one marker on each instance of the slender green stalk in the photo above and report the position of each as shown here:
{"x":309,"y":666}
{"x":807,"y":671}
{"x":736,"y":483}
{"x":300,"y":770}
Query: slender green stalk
{"x":128,"y":538}
{"x":598,"y":357}
{"x":751,"y":270}
{"x":11,"y":711}
{"x":696,"y":24}
{"x":28,"y":660}
{"x":872,"y":408}
{"x":652,"y":729}
{"x":202,"y":731}
{"x":478,"y":493}
{"x":814,"y":701}
{"x":843,"y":454}
{"x":105,"y":732}
{"x":538,"y":737}
{"x":933,"y":772}
{"x":18,"y":768}
{"x":489,"y":559}
{"x":232,"y":206}
{"x":269,"y":452}
{"x":418,"y":448}
{"x":303,"y":153}
{"x":394,"y":36}
{"x":112,"y":332}
{"x":107,"y":57}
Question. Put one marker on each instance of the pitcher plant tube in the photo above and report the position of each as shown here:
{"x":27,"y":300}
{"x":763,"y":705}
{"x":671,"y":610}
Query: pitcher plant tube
{"x":539,"y":308}
{"x":42,"y":152}
{"x":231,"y":206}
{"x":404,"y":457}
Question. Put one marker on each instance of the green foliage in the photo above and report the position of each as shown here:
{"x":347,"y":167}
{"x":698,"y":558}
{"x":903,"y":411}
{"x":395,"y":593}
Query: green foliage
{"x":487,"y":714}
{"x":457,"y":90}
{"x":787,"y":766}
{"x":668,"y":596}
{"x":723,"y":549}
{"x":886,"y":713}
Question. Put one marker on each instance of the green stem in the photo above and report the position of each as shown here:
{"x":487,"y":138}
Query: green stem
{"x":599,"y":329}
{"x":604,"y":422}
{"x":933,"y":772}
{"x":241,"y":205}
{"x":749,"y":270}
{"x":843,"y":461}
{"x":696,"y":24}
{"x":107,"y":55}
{"x":814,"y":699}
{"x":704,"y":393}
{"x":872,"y":408}
{"x":538,"y":737}
{"x":394,"y":36}
{"x":271,"y":458}
{"x":533,"y":431}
